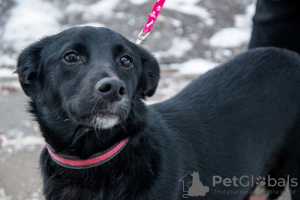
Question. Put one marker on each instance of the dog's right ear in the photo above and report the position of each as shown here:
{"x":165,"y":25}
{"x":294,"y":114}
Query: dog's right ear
{"x":150,"y":74}
{"x":28,"y":63}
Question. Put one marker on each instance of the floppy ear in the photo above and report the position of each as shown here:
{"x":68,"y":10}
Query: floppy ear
{"x":28,"y":64}
{"x":150,"y":74}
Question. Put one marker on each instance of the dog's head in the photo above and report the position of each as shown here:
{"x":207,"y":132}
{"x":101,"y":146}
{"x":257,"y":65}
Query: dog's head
{"x":90,"y":76}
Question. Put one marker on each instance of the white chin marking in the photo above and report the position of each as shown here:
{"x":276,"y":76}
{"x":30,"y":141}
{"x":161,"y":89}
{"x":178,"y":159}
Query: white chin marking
{"x":105,"y":122}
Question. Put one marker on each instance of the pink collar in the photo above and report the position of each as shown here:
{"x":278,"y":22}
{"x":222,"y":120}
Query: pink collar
{"x":74,"y":162}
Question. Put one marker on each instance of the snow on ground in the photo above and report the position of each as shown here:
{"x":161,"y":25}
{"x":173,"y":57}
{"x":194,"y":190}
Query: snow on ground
{"x":194,"y":66}
{"x":16,"y":141}
{"x":103,"y":8}
{"x":31,"y":20}
{"x":230,"y":37}
{"x":20,"y":143}
{"x":245,"y":20}
{"x":3,"y":195}
{"x":138,"y":2}
{"x":190,"y":7}
{"x":7,"y":60}
{"x":93,"y":24}
{"x":235,"y":36}
{"x":7,"y":73}
{"x":179,"y":48}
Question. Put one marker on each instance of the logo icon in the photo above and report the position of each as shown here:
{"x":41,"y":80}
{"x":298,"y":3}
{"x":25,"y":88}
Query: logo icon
{"x":261,"y":181}
{"x":153,"y":14}
{"x":150,"y":23}
{"x":192,"y":186}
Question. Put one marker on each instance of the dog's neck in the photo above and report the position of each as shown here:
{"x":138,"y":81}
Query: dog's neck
{"x":74,"y":162}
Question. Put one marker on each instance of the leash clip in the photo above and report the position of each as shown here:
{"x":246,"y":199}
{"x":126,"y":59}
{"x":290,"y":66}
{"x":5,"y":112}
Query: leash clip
{"x":141,"y":38}
{"x":151,"y":19}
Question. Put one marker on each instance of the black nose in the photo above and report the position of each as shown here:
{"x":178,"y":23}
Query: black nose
{"x":111,"y":89}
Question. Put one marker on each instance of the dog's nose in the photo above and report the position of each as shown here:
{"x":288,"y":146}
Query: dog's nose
{"x":111,"y":88}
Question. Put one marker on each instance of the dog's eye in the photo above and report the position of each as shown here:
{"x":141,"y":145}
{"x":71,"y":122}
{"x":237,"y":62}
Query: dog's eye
{"x":125,"y":61}
{"x":71,"y":57}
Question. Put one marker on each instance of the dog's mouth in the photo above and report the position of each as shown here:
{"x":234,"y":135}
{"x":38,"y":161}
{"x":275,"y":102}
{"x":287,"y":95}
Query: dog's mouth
{"x":105,"y":121}
{"x":98,"y":116}
{"x":98,"y":121}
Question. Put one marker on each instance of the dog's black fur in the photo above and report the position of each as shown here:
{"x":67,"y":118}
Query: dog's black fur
{"x":240,"y":119}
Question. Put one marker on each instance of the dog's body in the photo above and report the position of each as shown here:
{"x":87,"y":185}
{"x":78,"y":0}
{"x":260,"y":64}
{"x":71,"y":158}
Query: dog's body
{"x":240,"y":119}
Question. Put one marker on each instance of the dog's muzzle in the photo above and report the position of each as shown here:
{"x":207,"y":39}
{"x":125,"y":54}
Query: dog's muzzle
{"x":102,"y":107}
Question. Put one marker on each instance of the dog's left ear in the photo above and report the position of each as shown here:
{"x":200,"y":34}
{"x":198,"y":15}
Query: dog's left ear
{"x":29,"y":61}
{"x":28,"y":64}
{"x":150,"y":74}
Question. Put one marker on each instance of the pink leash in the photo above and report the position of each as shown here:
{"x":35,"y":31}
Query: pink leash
{"x":150,"y":22}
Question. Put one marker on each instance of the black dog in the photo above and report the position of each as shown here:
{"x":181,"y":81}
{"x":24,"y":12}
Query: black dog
{"x":87,"y":87}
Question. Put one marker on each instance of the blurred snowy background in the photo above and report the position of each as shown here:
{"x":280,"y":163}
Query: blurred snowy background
{"x":197,"y":33}
{"x":189,"y":38}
